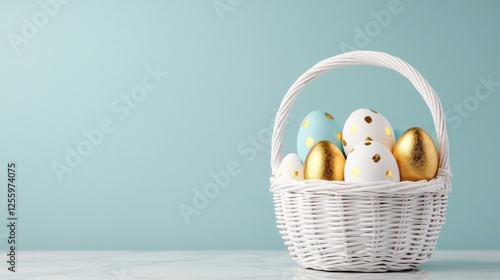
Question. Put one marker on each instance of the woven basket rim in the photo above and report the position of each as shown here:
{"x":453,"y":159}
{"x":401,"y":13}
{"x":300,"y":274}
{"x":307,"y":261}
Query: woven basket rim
{"x":440,"y":184}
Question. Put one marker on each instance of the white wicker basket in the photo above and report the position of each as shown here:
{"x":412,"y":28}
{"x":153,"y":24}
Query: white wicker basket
{"x":372,"y":227}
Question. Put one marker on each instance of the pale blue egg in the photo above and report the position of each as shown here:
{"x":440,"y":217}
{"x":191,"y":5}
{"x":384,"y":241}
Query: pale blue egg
{"x":316,"y":126}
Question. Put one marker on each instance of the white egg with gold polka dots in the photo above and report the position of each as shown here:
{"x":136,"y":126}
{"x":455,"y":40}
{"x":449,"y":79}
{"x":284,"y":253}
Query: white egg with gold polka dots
{"x":317,"y":126}
{"x":291,"y":168}
{"x":371,"y":161}
{"x":366,"y":125}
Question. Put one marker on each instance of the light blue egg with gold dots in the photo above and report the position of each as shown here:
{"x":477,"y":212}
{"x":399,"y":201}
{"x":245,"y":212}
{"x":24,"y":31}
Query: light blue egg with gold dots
{"x":317,"y":126}
{"x":397,"y":133}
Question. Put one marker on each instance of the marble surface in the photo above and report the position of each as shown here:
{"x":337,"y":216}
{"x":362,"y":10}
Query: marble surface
{"x":225,"y":265}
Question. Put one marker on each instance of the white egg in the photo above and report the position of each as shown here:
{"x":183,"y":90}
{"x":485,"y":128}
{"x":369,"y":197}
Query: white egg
{"x":371,"y":161}
{"x":367,"y":125}
{"x":291,"y":168}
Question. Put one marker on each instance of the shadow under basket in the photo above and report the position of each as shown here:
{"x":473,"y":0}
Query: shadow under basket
{"x":369,"y":227}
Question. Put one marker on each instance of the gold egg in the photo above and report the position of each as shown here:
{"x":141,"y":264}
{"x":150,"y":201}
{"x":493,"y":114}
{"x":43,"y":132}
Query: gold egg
{"x":324,"y":161}
{"x":416,"y":155}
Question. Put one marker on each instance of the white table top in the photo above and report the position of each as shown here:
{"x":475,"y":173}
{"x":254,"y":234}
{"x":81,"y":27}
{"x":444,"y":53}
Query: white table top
{"x":215,"y":265}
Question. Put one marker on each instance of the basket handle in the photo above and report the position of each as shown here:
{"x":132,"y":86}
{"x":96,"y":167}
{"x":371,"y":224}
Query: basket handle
{"x":363,"y":58}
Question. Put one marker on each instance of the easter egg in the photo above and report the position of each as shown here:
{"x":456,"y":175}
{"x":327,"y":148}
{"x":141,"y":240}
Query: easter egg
{"x":371,"y":161}
{"x":416,"y":155}
{"x":324,"y":161}
{"x":317,"y":126}
{"x":291,"y":168}
{"x":364,"y":125}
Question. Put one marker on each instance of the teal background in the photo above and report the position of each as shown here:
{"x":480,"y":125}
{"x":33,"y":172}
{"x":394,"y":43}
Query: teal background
{"x":227,"y":76}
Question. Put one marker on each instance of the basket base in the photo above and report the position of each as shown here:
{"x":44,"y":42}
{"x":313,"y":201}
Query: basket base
{"x":361,"y":270}
{"x":363,"y":264}
{"x":411,"y":274}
